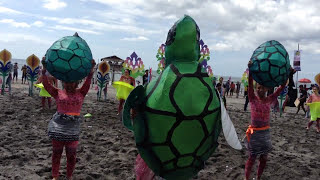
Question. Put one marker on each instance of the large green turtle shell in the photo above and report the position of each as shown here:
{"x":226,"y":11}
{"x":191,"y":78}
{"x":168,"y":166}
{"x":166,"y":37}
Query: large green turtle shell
{"x":181,"y":123}
{"x":69,"y":59}
{"x":270,"y":64}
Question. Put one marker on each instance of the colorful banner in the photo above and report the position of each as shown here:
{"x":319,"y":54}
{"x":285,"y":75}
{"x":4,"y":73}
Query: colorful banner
{"x":296,"y":60}
{"x":135,"y":64}
{"x":102,"y":77}
{"x":32,"y":71}
{"x":5,"y":67}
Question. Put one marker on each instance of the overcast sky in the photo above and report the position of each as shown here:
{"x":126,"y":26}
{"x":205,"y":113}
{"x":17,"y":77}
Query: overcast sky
{"x":231,"y":28}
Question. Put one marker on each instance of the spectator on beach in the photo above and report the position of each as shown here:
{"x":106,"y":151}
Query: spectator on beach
{"x":221,"y":91}
{"x":8,"y":82}
{"x":145,"y":77}
{"x":238,"y":86}
{"x":24,"y":73}
{"x":214,"y":82}
{"x":290,"y":88}
{"x":302,"y":99}
{"x":15,"y":72}
{"x":227,"y":87}
{"x":232,"y":88}
{"x":247,"y":98}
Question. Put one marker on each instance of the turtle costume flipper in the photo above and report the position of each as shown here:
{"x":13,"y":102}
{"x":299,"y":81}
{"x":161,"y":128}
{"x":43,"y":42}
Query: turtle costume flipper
{"x":135,"y":101}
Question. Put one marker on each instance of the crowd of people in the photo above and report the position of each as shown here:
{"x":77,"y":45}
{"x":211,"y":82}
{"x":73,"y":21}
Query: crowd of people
{"x":69,"y":101}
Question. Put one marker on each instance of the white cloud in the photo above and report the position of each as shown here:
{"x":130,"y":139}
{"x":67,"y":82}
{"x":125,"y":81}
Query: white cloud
{"x":54,"y":4}
{"x":14,"y":23}
{"x":139,"y":38}
{"x":19,"y":37}
{"x":73,"y":29}
{"x":38,"y":24}
{"x":101,"y":26}
{"x":6,"y":10}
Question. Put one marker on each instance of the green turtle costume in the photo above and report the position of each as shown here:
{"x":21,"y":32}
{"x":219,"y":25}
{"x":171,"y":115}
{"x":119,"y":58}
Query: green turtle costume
{"x":270,"y":64}
{"x":69,"y":59}
{"x":178,"y":119}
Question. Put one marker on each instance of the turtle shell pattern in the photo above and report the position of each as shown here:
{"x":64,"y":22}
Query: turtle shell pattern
{"x":270,"y":64}
{"x":182,"y":122}
{"x":69,"y":59}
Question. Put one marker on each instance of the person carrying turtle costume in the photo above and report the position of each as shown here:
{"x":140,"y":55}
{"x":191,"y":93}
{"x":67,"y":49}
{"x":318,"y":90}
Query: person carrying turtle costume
{"x":127,"y":79}
{"x":177,"y":117}
{"x":64,"y":127}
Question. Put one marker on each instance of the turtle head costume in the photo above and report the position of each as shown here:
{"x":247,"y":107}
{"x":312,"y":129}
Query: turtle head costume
{"x":182,"y":43}
{"x":178,"y":119}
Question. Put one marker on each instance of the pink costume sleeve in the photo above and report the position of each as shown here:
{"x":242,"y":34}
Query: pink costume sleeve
{"x":251,"y":95}
{"x":276,"y":93}
{"x":86,"y":85}
{"x":48,"y":86}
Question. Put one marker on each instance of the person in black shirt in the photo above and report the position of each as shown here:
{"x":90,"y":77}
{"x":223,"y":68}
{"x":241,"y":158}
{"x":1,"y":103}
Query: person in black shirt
{"x":302,"y":99}
{"x":145,"y":77}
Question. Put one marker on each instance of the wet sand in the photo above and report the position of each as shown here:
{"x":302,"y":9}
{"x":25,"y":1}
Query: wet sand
{"x":107,"y":150}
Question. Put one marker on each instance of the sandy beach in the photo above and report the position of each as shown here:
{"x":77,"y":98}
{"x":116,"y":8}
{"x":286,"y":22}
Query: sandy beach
{"x":107,"y":149}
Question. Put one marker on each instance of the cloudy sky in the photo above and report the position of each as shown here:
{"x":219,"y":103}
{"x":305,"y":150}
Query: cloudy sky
{"x":231,"y":28}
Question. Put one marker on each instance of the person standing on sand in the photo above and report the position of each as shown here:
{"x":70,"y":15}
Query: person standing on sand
{"x":238,"y":86}
{"x":8,"y":82}
{"x":24,"y":74}
{"x":315,"y":97}
{"x":247,"y":98}
{"x":221,"y":91}
{"x":227,"y":87}
{"x":290,"y":88}
{"x":128,"y":79}
{"x":145,"y":77}
{"x":64,"y":127}
{"x":232,"y":88}
{"x":302,"y":99}
{"x":15,"y":72}
{"x":258,"y":141}
{"x":43,"y":92}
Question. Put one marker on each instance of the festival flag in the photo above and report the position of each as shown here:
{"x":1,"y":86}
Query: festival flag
{"x":296,"y":60}
{"x":5,"y":67}
{"x":33,"y":69}
{"x":135,"y":64}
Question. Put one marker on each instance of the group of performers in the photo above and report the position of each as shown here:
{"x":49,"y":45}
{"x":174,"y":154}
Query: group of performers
{"x":64,"y":126}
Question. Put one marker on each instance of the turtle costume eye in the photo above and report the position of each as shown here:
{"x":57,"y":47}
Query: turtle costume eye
{"x":171,"y":35}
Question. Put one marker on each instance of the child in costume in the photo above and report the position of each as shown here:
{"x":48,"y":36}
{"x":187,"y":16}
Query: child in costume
{"x":258,"y":141}
{"x":64,"y":127}
{"x":315,"y":97}
{"x":43,"y":92}
{"x":128,"y":79}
